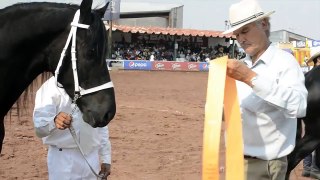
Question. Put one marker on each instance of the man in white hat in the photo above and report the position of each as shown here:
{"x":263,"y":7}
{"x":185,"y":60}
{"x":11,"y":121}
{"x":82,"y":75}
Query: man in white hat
{"x":315,"y":56}
{"x":271,"y":92}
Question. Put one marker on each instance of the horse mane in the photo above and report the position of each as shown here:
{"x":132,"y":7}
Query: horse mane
{"x":36,"y":19}
{"x":36,"y":5}
{"x":26,"y":100}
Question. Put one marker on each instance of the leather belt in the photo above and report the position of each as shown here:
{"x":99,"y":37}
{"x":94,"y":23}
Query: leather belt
{"x":249,"y":157}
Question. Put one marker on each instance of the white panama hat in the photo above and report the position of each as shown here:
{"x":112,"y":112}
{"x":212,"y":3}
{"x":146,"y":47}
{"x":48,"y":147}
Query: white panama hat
{"x":245,"y":12}
{"x":314,"y":53}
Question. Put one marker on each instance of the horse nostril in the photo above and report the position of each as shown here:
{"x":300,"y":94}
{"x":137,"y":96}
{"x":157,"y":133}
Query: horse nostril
{"x":109,"y":116}
{"x":99,"y":121}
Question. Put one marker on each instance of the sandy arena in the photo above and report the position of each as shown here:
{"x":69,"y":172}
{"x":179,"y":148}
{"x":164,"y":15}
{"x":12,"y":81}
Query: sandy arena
{"x":156,"y":133}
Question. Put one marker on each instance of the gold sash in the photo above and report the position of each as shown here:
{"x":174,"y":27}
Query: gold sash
{"x":222,"y":95}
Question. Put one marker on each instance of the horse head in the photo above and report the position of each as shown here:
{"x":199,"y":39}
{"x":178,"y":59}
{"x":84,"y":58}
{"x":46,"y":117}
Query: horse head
{"x":32,"y":36}
{"x":98,"y":107}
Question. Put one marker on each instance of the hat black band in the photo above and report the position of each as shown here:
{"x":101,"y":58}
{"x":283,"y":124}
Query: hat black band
{"x":247,"y":19}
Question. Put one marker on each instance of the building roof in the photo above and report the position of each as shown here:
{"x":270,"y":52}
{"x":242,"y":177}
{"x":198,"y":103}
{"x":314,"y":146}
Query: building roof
{"x":290,"y":32}
{"x":170,"y":31}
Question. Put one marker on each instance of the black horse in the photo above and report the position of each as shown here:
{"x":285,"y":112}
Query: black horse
{"x":32,"y":36}
{"x":311,"y":139}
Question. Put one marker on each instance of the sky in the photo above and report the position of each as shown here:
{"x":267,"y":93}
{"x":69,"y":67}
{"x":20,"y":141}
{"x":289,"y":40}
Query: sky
{"x":298,"y":16}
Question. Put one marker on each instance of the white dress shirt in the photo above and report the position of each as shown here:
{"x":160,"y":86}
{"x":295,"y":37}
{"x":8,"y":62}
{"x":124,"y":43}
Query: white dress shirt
{"x":50,"y":100}
{"x":270,"y":109}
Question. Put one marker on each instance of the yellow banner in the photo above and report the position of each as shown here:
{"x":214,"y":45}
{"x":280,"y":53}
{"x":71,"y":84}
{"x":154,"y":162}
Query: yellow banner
{"x":222,"y":96}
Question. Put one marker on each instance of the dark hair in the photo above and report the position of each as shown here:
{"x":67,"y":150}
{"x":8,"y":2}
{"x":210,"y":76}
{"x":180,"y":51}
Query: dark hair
{"x":315,"y":60}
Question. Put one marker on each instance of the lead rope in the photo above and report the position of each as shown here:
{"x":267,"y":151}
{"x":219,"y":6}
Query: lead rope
{"x":74,"y":135}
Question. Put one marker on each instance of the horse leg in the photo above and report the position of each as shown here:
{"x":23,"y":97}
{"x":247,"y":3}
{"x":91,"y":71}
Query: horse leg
{"x":303,"y":147}
{"x":1,"y":134}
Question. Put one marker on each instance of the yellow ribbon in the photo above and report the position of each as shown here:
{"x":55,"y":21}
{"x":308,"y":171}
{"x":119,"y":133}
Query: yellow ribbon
{"x":222,"y":95}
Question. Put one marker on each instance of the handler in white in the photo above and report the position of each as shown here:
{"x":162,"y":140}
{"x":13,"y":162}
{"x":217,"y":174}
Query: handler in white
{"x":51,"y":119}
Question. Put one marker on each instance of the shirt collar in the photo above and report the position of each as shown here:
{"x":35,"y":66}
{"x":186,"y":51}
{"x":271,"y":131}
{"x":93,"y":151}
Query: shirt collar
{"x":264,"y":58}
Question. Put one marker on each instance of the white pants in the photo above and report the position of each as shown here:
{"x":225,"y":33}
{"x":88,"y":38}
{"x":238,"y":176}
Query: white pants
{"x":68,"y":164}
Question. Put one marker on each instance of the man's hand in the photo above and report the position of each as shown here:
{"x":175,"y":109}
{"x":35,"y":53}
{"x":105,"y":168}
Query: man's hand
{"x":239,"y":71}
{"x":105,"y":170}
{"x":62,"y":120}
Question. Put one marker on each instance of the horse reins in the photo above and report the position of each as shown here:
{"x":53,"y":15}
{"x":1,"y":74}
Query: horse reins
{"x":74,"y":136}
{"x":78,"y":91}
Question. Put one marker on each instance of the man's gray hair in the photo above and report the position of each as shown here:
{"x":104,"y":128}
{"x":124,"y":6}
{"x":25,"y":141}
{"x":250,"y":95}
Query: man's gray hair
{"x":267,"y":20}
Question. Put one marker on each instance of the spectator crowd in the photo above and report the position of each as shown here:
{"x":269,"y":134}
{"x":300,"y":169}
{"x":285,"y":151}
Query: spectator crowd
{"x":165,"y":52}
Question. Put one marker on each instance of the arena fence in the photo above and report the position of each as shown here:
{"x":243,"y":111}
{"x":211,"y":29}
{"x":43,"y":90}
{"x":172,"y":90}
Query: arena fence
{"x":164,"y":65}
{"x":156,"y":65}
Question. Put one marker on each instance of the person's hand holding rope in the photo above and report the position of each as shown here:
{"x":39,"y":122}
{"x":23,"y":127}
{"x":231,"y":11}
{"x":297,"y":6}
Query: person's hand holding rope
{"x":105,"y":170}
{"x":62,"y":120}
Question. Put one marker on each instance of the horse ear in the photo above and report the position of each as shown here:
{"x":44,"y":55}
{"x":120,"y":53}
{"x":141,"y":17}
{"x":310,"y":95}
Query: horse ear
{"x":85,"y":11}
{"x":102,"y":10}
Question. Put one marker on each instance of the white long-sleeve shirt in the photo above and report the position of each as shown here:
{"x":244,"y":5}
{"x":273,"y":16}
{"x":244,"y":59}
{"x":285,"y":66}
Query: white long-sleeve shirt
{"x":50,"y":100}
{"x":270,"y":109}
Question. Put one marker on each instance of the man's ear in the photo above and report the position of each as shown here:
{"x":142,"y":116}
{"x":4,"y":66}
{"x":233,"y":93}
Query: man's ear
{"x":265,"y":23}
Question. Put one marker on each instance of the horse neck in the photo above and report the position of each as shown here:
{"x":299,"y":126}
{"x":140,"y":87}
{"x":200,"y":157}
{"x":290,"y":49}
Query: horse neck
{"x":27,"y":37}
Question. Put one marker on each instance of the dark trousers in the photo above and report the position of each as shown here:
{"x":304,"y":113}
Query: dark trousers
{"x":258,"y":169}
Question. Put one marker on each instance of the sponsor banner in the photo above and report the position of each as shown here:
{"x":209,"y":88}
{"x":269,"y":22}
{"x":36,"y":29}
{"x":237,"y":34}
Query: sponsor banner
{"x":315,"y":43}
{"x":136,"y":64}
{"x":301,"y":44}
{"x":203,"y":66}
{"x":193,"y":66}
{"x":175,"y":66}
{"x":114,"y":63}
{"x":164,"y":65}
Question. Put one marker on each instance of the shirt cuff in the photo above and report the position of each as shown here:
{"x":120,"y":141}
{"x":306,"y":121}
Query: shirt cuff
{"x":106,"y":158}
{"x":52,"y":125}
{"x":105,"y":153}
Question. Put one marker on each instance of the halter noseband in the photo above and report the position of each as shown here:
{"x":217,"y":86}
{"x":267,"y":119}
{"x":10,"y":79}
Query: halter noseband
{"x":78,"y":91}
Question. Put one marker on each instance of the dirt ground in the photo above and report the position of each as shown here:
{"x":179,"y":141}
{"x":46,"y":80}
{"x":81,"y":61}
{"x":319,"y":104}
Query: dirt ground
{"x":156,"y":133}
